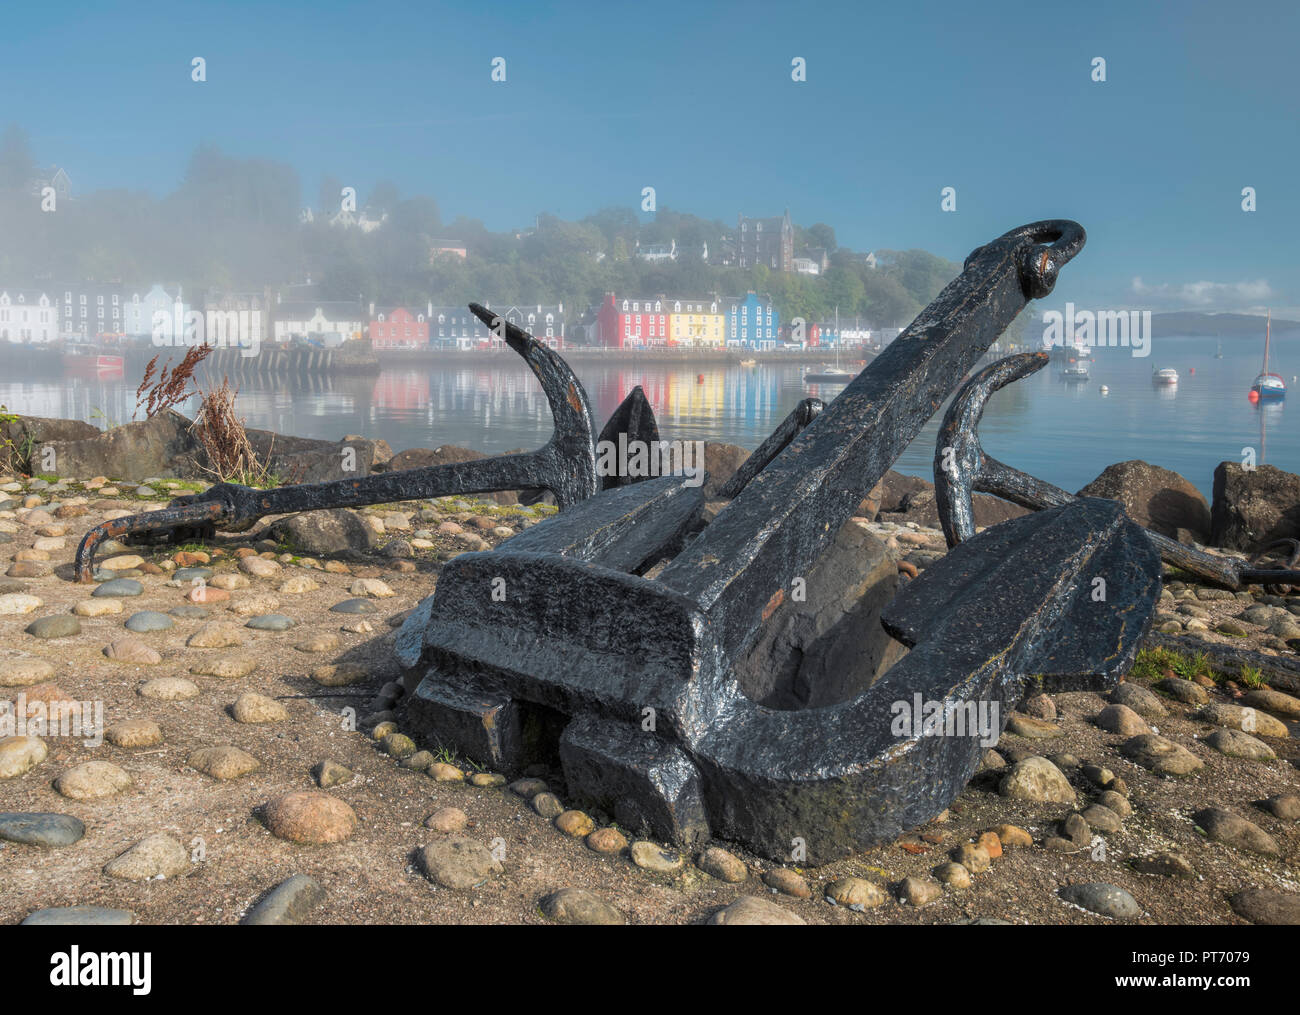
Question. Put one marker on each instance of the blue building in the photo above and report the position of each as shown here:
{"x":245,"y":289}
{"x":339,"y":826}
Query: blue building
{"x":752,"y":321}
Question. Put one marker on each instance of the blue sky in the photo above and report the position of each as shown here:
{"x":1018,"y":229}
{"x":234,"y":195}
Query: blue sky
{"x":696,"y":100}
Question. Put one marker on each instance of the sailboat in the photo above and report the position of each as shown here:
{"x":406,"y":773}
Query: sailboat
{"x":830,"y":374}
{"x":1267,"y":386}
{"x":1218,"y":352}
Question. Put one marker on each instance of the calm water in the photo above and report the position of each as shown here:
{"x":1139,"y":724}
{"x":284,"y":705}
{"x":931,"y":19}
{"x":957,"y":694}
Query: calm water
{"x":1065,"y":433}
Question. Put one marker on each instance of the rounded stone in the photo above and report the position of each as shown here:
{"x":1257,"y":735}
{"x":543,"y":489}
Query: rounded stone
{"x":1036,"y":779}
{"x":1236,"y":744}
{"x":354,"y":606}
{"x":1101,"y":818}
{"x":458,"y":862}
{"x":271,"y":622}
{"x":1233,"y":830}
{"x":1160,"y":755}
{"x":148,"y":620}
{"x":919,"y":892}
{"x":578,"y":906}
{"x":547,"y":805}
{"x":972,"y":856}
{"x":339,"y":674}
{"x":288,"y":903}
{"x":119,"y":588}
{"x":79,"y":916}
{"x":218,"y":634}
{"x":51,"y":831}
{"x":310,"y":817}
{"x":223,"y":762}
{"x":1103,"y":899}
{"x":1013,"y":835}
{"x":1122,"y":720}
{"x":954,"y":875}
{"x":1267,"y":907}
{"x":487,"y":780}
{"x":722,"y":865}
{"x":63,"y":625}
{"x":655,"y":858}
{"x":92,"y":780}
{"x":856,"y":893}
{"x":1141,"y":700}
{"x":399,"y":745}
{"x":21,"y":754}
{"x":447,"y":819}
{"x":256,"y":709}
{"x":134,"y":733}
{"x":132,"y":651}
{"x":169,"y":689}
{"x":575,"y":824}
{"x":607,"y":840}
{"x":750,"y":911}
{"x":787,"y":882}
{"x":17,"y":604}
{"x":25,"y":672}
{"x":440,"y":771}
{"x":158,"y":856}
{"x":98,"y":608}
{"x":325,"y":642}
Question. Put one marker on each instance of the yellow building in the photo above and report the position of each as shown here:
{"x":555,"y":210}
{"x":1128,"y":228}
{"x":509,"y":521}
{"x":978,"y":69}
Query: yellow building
{"x":697,"y":322}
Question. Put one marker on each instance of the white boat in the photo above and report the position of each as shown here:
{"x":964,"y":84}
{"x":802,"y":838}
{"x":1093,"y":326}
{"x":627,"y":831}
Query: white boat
{"x":1165,"y":375}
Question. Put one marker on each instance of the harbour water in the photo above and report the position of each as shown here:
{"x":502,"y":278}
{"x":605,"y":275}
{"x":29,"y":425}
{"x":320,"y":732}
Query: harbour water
{"x":1065,"y":432}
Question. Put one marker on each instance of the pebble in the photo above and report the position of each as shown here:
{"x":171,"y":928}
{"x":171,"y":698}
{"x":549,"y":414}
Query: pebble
{"x":271,"y":622}
{"x":575,"y":824}
{"x":310,"y":817}
{"x":1141,"y":700}
{"x":147,"y":620}
{"x":119,"y":588}
{"x":1122,"y":720}
{"x":1164,"y":865}
{"x":16,"y":604}
{"x":158,"y":856}
{"x":134,"y":733}
{"x":92,"y":780}
{"x":207,"y":594}
{"x":188,"y":612}
{"x":487,"y":780}
{"x":527,"y":788}
{"x":123,"y":562}
{"x":1103,"y":819}
{"x":228,"y":667}
{"x":217,"y":634}
{"x":1034,"y":729}
{"x":1013,"y":835}
{"x":440,"y":771}
{"x":547,"y":805}
{"x":447,"y":819}
{"x":297,"y":585}
{"x":251,"y":606}
{"x":655,"y":858}
{"x":1283,"y":705}
{"x":1160,"y":755}
{"x":1247,"y":720}
{"x":399,"y":745}
{"x":787,"y":882}
{"x":287,"y":904}
{"x":330,"y":773}
{"x":751,"y":911}
{"x":1103,"y":899}
{"x":326,"y":642}
{"x":856,"y":893}
{"x":458,"y":862}
{"x":254,"y":709}
{"x":919,"y":892}
{"x":1284,"y":805}
{"x":169,"y":689}
{"x":1184,"y":690}
{"x":79,"y":916}
{"x":229,"y":582}
{"x":577,"y":906}
{"x":25,"y":671}
{"x":259,"y":567}
{"x":371,"y":587}
{"x":98,"y":608}
{"x":59,"y":626}
{"x":607,"y":840}
{"x":1267,"y":907}
{"x":1037,"y":779}
{"x":132,"y":650}
{"x":1233,"y":830}
{"x":722,"y":865}
{"x":1236,"y":744}
{"x":953,"y":874}
{"x":354,"y":606}
{"x":974,"y":857}
{"x":339,"y":674}
{"x":1115,"y":802}
{"x":223,"y":762}
{"x":41,"y":829}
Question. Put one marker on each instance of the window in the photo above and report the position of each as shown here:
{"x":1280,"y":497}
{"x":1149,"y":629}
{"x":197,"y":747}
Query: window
{"x":83,"y":299}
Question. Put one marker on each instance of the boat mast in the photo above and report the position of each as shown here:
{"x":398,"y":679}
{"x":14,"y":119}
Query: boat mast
{"x":1268,"y":328}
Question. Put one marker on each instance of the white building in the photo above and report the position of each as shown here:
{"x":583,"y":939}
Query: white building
{"x":317,"y":319}
{"x":27,"y":316}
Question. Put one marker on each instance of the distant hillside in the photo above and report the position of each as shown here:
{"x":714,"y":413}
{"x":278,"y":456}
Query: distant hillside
{"x":1186,"y":323}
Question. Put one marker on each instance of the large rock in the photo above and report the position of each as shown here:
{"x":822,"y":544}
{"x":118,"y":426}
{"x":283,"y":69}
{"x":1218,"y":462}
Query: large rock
{"x":831,"y":646}
{"x":339,"y":533}
{"x":307,"y":460}
{"x":27,"y":435}
{"x":1254,"y":506}
{"x":1156,"y":498}
{"x":161,"y":446}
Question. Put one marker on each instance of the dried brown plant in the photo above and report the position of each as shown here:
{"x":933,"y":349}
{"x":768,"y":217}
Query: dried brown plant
{"x":231,"y":458}
{"x":172,"y":384}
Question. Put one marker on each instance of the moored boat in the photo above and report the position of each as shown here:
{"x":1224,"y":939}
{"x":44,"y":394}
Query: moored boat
{"x":1164,"y":376}
{"x":1267,"y":386}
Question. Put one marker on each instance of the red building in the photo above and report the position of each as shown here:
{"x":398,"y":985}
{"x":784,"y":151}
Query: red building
{"x":631,"y":321}
{"x":398,"y":329}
